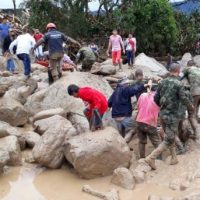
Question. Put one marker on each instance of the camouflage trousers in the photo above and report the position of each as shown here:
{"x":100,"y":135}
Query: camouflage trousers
{"x":144,"y":131}
{"x":87,"y":64}
{"x":55,"y":65}
{"x":170,"y":126}
{"x":196,"y":100}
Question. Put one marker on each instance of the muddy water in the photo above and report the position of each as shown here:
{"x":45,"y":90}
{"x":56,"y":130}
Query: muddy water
{"x":33,"y":183}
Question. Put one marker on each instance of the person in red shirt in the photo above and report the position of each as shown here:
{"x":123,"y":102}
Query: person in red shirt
{"x":97,"y":104}
{"x":39,"y":51}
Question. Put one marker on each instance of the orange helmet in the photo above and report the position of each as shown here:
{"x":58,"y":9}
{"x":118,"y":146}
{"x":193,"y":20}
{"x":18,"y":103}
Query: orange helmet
{"x":50,"y":25}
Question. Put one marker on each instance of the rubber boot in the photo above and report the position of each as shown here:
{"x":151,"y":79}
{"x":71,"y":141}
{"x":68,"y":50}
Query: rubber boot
{"x":174,"y":159}
{"x":180,"y":148}
{"x":152,"y":157}
{"x":142,"y":150}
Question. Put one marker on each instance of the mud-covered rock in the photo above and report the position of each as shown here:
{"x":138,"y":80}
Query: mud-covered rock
{"x":3,"y":89}
{"x":139,"y":176}
{"x":11,"y":145}
{"x":123,"y":178}
{"x":31,"y":138}
{"x":49,"y":113}
{"x":197,"y":60}
{"x":193,"y":196}
{"x":105,"y":68}
{"x":7,"y":130}
{"x":4,"y":158}
{"x":186,"y":57}
{"x":97,"y":154}
{"x":148,"y":64}
{"x":43,"y":125}
{"x":12,"y":111}
{"x":49,"y":150}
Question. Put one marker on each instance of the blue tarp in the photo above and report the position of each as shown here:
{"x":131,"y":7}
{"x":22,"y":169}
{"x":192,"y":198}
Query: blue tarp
{"x":187,"y":6}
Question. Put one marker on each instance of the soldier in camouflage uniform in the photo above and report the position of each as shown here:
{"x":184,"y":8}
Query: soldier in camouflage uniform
{"x":192,"y":74}
{"x":182,"y":116}
{"x":87,"y":57}
{"x":169,"y":95}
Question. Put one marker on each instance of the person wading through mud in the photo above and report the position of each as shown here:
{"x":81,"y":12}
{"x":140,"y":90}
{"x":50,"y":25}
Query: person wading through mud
{"x":192,"y":74}
{"x":147,"y":120}
{"x":116,"y":45}
{"x":54,"y":40}
{"x":120,"y":102}
{"x":96,"y":104}
{"x":169,"y":95}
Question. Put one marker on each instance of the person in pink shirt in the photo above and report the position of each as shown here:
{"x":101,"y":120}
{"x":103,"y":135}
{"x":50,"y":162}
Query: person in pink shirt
{"x":146,"y":119}
{"x":116,"y":45}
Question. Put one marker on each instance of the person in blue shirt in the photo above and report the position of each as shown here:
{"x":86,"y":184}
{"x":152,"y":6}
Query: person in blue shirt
{"x":4,"y":30}
{"x":120,"y":102}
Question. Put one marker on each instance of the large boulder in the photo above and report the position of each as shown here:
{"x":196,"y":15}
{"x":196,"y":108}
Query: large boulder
{"x":97,"y":154}
{"x":41,"y":126}
{"x":12,"y":111}
{"x":49,"y":150}
{"x":7,"y":130}
{"x":31,"y":138}
{"x":57,"y":96}
{"x":106,"y":68}
{"x":11,"y":145}
{"x":3,"y":89}
{"x":193,"y":196}
{"x":49,"y":113}
{"x":186,"y":57}
{"x":123,"y":178}
{"x":147,"y":64}
{"x":197,"y":60}
{"x":4,"y":158}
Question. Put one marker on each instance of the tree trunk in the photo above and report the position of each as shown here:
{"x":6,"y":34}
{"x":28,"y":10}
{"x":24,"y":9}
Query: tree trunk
{"x":14,"y":5}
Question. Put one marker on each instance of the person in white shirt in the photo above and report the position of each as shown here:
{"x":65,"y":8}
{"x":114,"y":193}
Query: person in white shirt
{"x":130,"y":45}
{"x":24,"y":43}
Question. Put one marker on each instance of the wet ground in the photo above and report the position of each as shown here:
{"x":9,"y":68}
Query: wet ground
{"x":35,"y":183}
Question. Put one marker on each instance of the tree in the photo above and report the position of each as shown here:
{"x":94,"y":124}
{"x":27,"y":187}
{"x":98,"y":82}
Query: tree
{"x":153,"y":23}
{"x":14,"y":6}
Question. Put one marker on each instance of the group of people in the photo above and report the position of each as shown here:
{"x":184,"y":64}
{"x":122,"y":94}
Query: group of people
{"x":164,"y":104}
{"x":116,"y":46}
{"x":31,"y":43}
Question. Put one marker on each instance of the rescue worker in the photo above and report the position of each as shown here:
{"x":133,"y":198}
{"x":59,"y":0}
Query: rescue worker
{"x":192,"y":73}
{"x":120,"y":102}
{"x":87,"y":57}
{"x":169,"y":95}
{"x":54,"y":40}
{"x":96,"y":104}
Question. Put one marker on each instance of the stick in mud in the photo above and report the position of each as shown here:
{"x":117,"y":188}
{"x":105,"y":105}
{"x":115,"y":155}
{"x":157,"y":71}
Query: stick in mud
{"x":111,"y":195}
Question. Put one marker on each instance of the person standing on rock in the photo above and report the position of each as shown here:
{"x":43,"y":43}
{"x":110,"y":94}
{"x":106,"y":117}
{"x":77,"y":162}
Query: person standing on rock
{"x":4,"y":30}
{"x":169,"y":96}
{"x":120,"y":102}
{"x":130,"y":45}
{"x":147,"y":121}
{"x":116,"y":45}
{"x":24,"y":44}
{"x":97,"y":104}
{"x":192,"y":74}
{"x":54,"y":40}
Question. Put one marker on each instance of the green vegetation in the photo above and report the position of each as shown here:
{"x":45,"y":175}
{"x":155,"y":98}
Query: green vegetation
{"x":157,"y":27}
